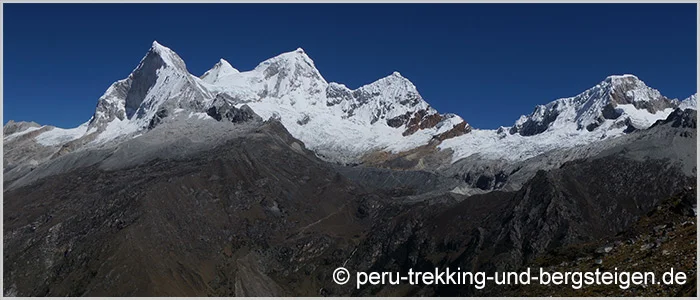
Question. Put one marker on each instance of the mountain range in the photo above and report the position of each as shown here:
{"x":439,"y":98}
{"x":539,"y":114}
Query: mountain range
{"x":262,"y":182}
{"x":344,"y":125}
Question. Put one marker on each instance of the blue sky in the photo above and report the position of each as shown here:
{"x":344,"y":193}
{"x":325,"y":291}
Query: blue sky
{"x":489,"y":63}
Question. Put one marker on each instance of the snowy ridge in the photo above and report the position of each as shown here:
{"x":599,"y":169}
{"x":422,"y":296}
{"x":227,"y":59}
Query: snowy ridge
{"x":344,"y":125}
{"x":59,"y":136}
{"x":338,"y":123}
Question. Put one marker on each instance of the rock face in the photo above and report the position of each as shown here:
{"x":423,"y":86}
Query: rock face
{"x":231,"y":113}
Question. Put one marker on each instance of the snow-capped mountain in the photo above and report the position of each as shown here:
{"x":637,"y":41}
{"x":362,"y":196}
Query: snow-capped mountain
{"x":625,"y":99}
{"x":338,"y":123}
{"x":342,"y":124}
{"x":690,"y":102}
{"x":618,"y":105}
{"x":158,"y":86}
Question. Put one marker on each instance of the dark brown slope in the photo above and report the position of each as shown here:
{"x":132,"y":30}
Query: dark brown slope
{"x":664,"y":238}
{"x":583,"y":201}
{"x":219,"y":223}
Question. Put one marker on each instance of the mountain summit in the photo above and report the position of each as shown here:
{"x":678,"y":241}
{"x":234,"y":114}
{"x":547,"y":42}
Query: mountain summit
{"x":220,"y":69}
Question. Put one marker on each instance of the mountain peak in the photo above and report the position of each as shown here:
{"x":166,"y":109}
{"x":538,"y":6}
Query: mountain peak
{"x":623,"y":76}
{"x":161,"y":50}
{"x":220,"y":69}
{"x":395,"y":78}
{"x":293,"y":64}
{"x":156,"y":45}
{"x":690,"y":102}
{"x":624,"y":82}
{"x":225,"y":66}
{"x":168,"y":56}
{"x":692,"y":97}
{"x":627,"y":86}
{"x":223,"y":62}
{"x":291,"y":57}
